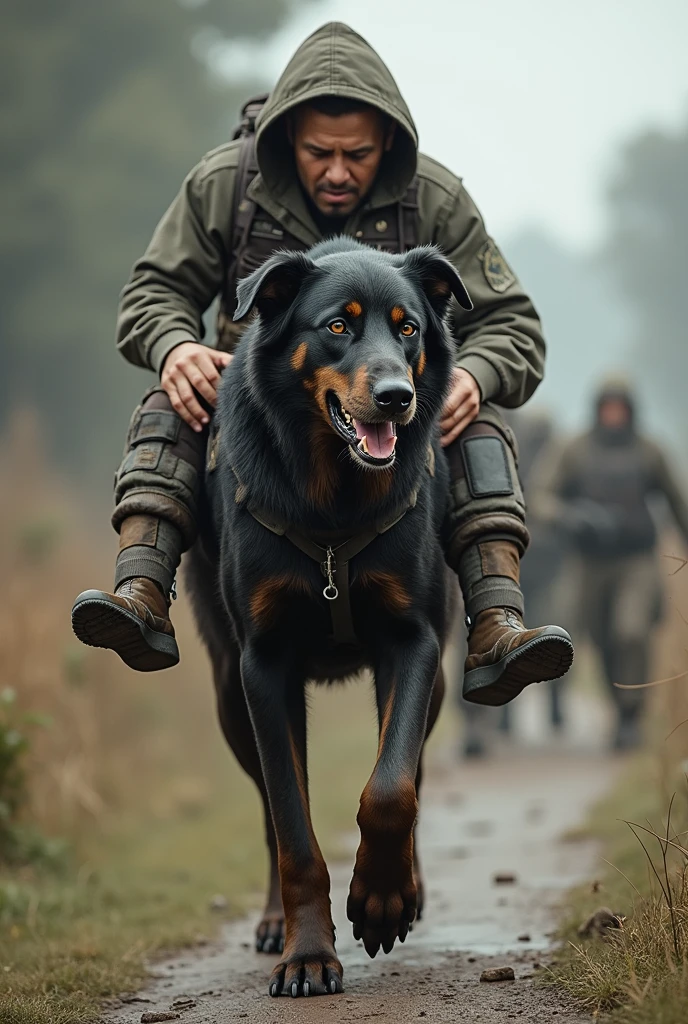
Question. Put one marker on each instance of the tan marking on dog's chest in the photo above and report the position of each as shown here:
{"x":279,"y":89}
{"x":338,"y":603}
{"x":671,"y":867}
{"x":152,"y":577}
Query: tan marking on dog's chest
{"x":268,"y":594}
{"x":323,"y":479}
{"x":389,"y":587}
{"x":376,"y":484}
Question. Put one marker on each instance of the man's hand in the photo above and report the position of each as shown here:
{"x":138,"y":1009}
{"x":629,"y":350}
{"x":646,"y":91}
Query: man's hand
{"x":461,"y":407}
{"x":190,"y":366}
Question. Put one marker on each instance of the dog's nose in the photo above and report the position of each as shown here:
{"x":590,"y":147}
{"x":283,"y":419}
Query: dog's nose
{"x":393,"y":396}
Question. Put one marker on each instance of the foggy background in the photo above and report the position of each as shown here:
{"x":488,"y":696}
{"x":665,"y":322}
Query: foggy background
{"x":568,"y":122}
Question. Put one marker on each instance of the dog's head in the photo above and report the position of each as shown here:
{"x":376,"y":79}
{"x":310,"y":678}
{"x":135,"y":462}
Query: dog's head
{"x":360,"y":332}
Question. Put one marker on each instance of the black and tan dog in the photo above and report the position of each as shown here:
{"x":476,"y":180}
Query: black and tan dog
{"x":327,"y":494}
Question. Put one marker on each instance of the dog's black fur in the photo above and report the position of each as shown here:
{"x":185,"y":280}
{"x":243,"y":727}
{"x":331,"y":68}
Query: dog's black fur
{"x":336,"y":326}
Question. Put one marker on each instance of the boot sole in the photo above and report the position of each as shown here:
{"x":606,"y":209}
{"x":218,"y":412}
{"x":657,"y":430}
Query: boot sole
{"x":100,"y":623}
{"x":543,"y":658}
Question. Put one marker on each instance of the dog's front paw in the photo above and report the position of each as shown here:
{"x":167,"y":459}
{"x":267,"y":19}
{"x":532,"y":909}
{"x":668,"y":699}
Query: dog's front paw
{"x":270,"y":933}
{"x":383,"y":897}
{"x":316,"y":974}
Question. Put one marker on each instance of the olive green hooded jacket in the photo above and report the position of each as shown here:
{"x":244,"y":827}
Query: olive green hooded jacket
{"x":499,"y":342}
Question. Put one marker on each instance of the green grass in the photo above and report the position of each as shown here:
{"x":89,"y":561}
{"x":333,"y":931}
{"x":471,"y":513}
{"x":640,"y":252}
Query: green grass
{"x":638,"y":974}
{"x":70,"y":940}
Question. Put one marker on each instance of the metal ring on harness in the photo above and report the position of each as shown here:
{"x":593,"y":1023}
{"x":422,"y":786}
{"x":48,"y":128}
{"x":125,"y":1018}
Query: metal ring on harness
{"x":331,"y":592}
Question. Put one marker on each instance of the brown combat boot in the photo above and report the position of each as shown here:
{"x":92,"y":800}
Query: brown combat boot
{"x":504,"y":657}
{"x":134,"y":622}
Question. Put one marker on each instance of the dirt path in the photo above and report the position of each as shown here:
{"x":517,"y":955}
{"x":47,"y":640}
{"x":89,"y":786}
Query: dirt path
{"x":504,"y":815}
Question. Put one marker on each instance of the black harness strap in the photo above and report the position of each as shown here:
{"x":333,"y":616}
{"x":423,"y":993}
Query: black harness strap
{"x":333,"y":561}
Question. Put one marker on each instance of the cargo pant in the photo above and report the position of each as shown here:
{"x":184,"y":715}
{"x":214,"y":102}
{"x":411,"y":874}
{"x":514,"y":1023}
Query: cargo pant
{"x":162,"y":474}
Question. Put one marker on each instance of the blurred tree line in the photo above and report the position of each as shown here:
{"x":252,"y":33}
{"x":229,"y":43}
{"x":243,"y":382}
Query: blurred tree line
{"x":105,"y":107}
{"x":647,"y":254}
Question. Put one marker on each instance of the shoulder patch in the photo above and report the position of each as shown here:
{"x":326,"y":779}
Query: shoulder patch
{"x":498,"y":273}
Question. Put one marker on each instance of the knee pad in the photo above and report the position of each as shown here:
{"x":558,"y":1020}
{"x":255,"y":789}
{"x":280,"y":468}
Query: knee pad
{"x":161,"y":472}
{"x":485,"y":498}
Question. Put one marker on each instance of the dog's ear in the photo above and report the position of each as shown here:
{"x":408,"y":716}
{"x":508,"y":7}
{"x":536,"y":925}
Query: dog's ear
{"x":272,"y":288}
{"x":438,"y":278}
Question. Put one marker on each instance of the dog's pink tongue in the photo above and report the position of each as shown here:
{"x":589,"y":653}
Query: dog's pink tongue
{"x":380,"y":438}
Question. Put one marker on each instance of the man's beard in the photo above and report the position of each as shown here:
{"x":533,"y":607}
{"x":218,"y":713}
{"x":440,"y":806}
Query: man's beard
{"x":334,"y":209}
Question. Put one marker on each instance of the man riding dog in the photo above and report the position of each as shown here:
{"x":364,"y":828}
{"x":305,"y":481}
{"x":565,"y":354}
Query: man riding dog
{"x":334,"y":152}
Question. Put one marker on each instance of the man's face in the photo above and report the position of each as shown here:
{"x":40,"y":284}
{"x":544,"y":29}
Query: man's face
{"x":614,"y":414}
{"x":337,"y":158}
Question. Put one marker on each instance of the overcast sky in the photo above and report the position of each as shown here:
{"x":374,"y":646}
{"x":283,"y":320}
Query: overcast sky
{"x":528,"y":101}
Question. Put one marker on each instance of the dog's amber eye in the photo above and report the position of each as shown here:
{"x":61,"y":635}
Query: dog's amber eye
{"x":337,"y":327}
{"x":409,"y":329}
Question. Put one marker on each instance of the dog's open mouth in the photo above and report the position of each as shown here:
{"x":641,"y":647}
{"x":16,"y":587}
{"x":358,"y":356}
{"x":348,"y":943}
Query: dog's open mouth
{"x":372,"y":443}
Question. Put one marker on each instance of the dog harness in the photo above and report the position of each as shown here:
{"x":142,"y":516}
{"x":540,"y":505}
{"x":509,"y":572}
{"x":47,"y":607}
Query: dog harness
{"x":333,"y":561}
{"x":334,"y":558}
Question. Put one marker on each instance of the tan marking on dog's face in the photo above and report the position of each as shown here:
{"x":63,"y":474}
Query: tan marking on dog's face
{"x":354,"y":308}
{"x":270,"y":592}
{"x":421,"y":363}
{"x":398,"y":314}
{"x":326,"y":379}
{"x":354,"y":394}
{"x":359,"y":393}
{"x":299,"y":357}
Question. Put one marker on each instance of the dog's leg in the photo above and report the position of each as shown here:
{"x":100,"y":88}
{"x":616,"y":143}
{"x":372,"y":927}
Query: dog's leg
{"x":433,"y":713}
{"x":238,"y":731}
{"x":382,"y":898}
{"x":276,"y":701}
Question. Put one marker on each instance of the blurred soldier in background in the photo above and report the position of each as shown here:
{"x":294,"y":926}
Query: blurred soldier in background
{"x":599,"y":488}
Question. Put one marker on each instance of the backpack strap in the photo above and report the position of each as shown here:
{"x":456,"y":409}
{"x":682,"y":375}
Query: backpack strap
{"x":249,"y":115}
{"x":243,"y":208}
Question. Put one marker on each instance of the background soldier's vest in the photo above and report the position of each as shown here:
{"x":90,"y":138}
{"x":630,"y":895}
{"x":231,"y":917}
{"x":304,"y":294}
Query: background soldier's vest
{"x":256,"y":235}
{"x":618,"y":477}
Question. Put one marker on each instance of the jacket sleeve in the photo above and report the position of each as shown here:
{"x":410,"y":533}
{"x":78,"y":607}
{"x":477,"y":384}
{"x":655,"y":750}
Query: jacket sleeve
{"x":500,"y":341}
{"x":181,"y":272}
{"x":667,"y":483}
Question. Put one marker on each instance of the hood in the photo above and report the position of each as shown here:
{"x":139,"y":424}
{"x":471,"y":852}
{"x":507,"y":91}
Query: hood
{"x":615,"y":388}
{"x":335,"y":61}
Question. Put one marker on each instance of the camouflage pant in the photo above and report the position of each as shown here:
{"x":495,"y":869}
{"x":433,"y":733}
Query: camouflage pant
{"x":162,"y":473}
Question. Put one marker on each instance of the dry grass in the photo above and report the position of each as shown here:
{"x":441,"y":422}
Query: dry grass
{"x":110,"y":728}
{"x":132,"y":771}
{"x":639,"y":974}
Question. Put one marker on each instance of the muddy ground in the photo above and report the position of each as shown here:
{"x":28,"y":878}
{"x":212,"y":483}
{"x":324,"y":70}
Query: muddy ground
{"x":507,"y":815}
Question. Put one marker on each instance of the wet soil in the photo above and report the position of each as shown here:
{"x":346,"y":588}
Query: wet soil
{"x":496,"y":863}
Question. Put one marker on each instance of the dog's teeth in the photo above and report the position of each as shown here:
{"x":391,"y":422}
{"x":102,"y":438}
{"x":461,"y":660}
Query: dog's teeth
{"x":364,"y":444}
